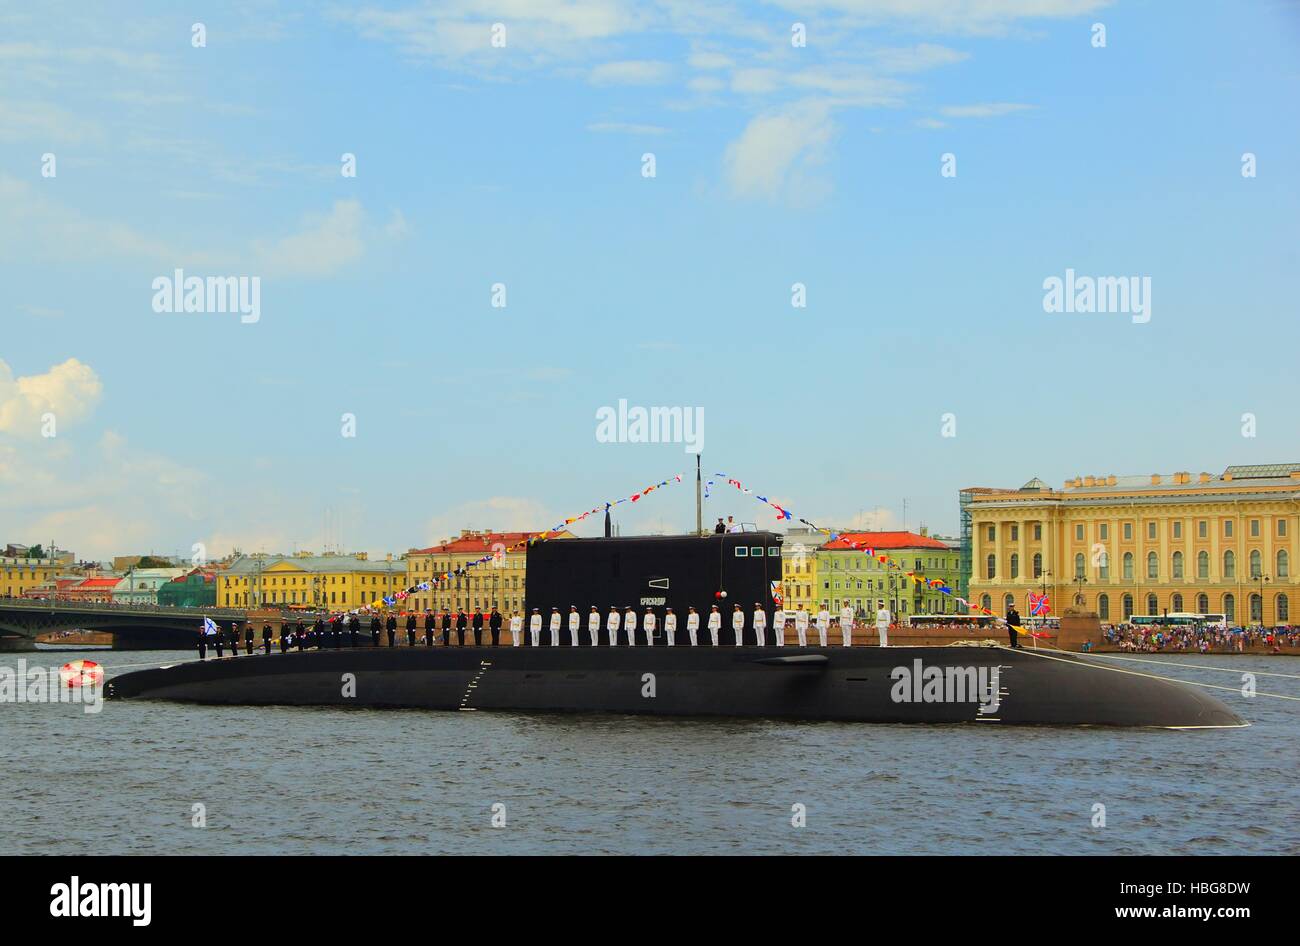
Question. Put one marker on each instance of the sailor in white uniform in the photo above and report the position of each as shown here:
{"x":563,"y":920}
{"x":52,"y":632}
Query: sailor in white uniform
{"x":715,"y":624}
{"x":593,"y":626}
{"x":823,"y":623}
{"x":555,"y":626}
{"x":693,"y":627}
{"x":760,"y":624}
{"x":649,"y":625}
{"x":516,"y":627}
{"x":629,"y":625}
{"x":738,"y":625}
{"x":846,"y":625}
{"x":535,"y":627}
{"x":883,"y":619}
{"x":778,"y":626}
{"x":575,"y":624}
{"x":801,"y":625}
{"x":611,"y":626}
{"x":670,"y":626}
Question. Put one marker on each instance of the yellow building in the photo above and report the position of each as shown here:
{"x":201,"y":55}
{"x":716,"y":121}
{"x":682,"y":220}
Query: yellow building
{"x":336,"y":582}
{"x":498,"y":584}
{"x":1180,"y":542}
{"x":18,"y":575}
{"x":799,"y":568}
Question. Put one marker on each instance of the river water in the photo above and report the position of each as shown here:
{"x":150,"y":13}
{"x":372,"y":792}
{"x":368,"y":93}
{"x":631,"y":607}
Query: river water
{"x":289,"y":780}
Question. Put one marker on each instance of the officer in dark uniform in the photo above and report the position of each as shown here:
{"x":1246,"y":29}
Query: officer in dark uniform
{"x":219,"y":639}
{"x":1013,"y":622}
{"x":316,"y":639}
{"x":374,"y":631}
{"x":446,"y":628}
{"x":494,"y":622}
{"x":354,"y":631}
{"x":286,"y":638}
{"x":429,"y":629}
{"x":410,"y":629}
{"x":478,"y":627}
{"x":248,"y":639}
{"x":391,"y":627}
{"x":233,"y":639}
{"x":461,"y":621}
{"x":266,"y":638}
{"x":203,"y":643}
{"x":299,"y":635}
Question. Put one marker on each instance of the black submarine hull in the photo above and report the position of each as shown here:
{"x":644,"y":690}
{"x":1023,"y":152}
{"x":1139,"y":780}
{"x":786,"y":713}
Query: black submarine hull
{"x":984,"y":685}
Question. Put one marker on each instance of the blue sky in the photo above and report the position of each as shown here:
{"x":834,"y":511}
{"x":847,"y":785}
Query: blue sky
{"x":523,"y":165}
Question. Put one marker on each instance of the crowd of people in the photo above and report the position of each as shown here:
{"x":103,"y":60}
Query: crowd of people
{"x":1200,"y":638}
{"x":618,"y":626}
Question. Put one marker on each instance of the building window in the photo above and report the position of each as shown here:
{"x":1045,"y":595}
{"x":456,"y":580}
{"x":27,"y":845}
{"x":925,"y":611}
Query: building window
{"x":1015,"y":532}
{"x":1202,"y":529}
{"x":1103,"y":565}
{"x":1230,"y":609}
{"x":1128,"y":607}
{"x":986,"y":602}
{"x":1038,"y":531}
{"x":1015,"y":565}
{"x":1202,"y":564}
{"x":1178,"y":567}
{"x":1151,"y":531}
{"x":1256,"y":609}
{"x":1078,"y":565}
{"x":1178,"y":530}
{"x":1283,"y":564}
{"x":1283,"y":610}
{"x":1128,"y":532}
{"x":1227,"y":528}
{"x":1103,"y":607}
{"x":991,"y":533}
{"x":1256,"y":563}
{"x":1128,"y":566}
{"x":1008,"y":602}
{"x":1254,"y":528}
{"x":1153,"y":565}
{"x":990,"y":567}
{"x":1203,"y":604}
{"x":1038,"y":564}
{"x":1103,"y":531}
{"x":1229,"y":564}
{"x":1281,"y":528}
{"x":1176,"y":604}
{"x":1153,"y":606}
{"x":1078,"y":532}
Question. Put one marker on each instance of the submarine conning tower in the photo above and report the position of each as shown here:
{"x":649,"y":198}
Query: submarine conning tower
{"x":655,"y":571}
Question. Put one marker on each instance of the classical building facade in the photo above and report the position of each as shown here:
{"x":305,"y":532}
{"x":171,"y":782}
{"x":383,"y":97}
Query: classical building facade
{"x":1181,"y":542}
{"x":847,"y":575}
{"x":498,"y":584}
{"x":334,"y":582}
{"x":20,"y":575}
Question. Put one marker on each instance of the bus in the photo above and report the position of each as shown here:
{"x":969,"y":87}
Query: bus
{"x":1176,"y":619}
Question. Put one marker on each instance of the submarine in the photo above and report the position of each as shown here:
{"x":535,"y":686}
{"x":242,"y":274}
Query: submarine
{"x":991,"y":684}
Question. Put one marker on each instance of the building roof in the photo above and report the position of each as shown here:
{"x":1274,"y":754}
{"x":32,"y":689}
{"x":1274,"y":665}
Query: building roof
{"x":480,"y":542}
{"x":90,"y":584}
{"x":247,"y":565}
{"x":1152,"y":487}
{"x":885,"y":540}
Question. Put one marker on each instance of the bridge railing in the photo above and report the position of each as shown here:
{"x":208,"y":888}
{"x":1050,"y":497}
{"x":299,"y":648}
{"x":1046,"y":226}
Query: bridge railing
{"x":36,"y":604}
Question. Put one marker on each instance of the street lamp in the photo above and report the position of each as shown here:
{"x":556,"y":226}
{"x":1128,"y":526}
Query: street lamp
{"x":1261,"y":578}
{"x":1079,"y":582}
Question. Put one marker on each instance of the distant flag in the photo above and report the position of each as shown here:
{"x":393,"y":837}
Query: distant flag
{"x":210,"y":626}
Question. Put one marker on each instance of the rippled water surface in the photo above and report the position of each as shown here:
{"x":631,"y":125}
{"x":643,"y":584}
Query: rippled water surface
{"x":304,"y":781}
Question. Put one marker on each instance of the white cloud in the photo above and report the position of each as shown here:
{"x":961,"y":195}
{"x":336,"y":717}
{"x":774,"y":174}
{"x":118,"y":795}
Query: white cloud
{"x":772,"y":156}
{"x":497,"y":513}
{"x":986,"y":110}
{"x":631,"y":72}
{"x":706,"y":60}
{"x":325,"y":243}
{"x":950,"y":16}
{"x":930,"y":123}
{"x":69,"y":391}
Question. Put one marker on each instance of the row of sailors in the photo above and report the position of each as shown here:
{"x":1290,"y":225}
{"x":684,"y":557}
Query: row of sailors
{"x":754,"y":631}
{"x":618,"y":628}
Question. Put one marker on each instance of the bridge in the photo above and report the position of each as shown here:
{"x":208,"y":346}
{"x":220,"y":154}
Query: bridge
{"x":139,"y":627}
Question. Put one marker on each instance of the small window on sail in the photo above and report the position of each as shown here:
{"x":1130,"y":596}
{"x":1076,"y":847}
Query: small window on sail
{"x":741,"y":551}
